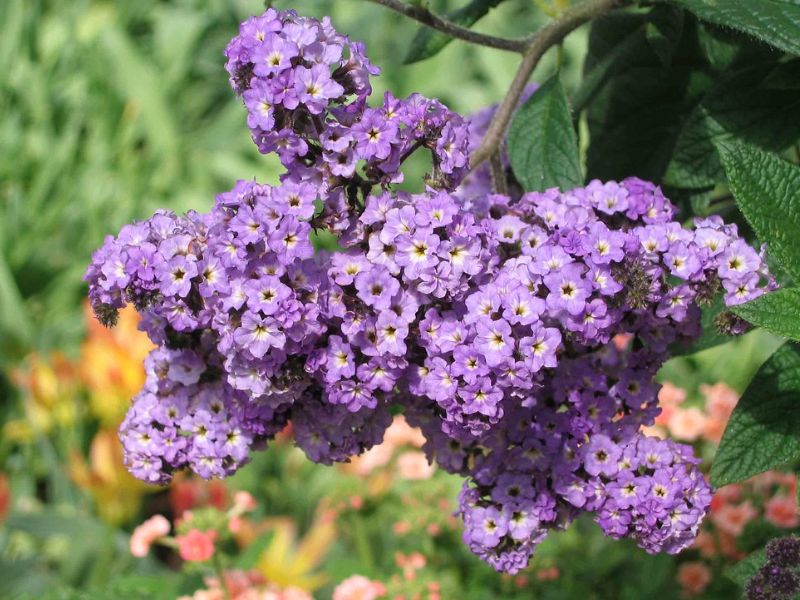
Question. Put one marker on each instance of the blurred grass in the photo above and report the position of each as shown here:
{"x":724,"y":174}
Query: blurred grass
{"x":113,"y":109}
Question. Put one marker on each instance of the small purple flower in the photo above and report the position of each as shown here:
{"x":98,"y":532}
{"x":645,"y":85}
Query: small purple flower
{"x":494,"y":340}
{"x":258,"y":334}
{"x":315,"y":88}
{"x":376,"y":287}
{"x":539,"y":349}
{"x":274,"y":55}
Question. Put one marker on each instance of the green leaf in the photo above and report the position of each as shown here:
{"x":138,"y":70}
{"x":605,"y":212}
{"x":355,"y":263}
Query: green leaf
{"x":542,"y":144}
{"x":776,"y":22}
{"x":778,"y":312}
{"x":428,"y":42}
{"x":666,"y":89}
{"x":743,"y":571}
{"x":743,"y":106}
{"x":763,"y":430}
{"x":766,"y":189}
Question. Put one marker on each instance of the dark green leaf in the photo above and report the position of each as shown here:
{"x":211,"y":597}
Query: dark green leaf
{"x":542,"y":144}
{"x":766,"y":189}
{"x":744,"y":106}
{"x":776,"y":22}
{"x":428,"y":42}
{"x":742,"y":571}
{"x":662,"y":102}
{"x":763,"y":430}
{"x":778,"y":312}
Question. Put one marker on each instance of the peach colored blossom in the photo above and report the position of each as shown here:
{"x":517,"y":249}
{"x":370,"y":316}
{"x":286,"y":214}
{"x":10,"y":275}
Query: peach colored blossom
{"x":196,"y":546}
{"x":654,"y":431}
{"x":358,"y":587}
{"x":720,"y":402}
{"x":727,"y":546}
{"x":694,"y":577}
{"x":356,"y":502}
{"x":669,"y":398}
{"x":401,"y":527}
{"x":621,"y":340}
{"x":148,"y":532}
{"x":400,"y":433}
{"x":236,"y":524}
{"x":686,"y":424}
{"x":726,"y":495}
{"x":732,"y":518}
{"x":372,"y":459}
{"x":782,"y":511}
{"x":705,"y":544}
{"x":414,"y":465}
{"x":671,"y":395}
{"x":244,"y":502}
{"x":294,"y":593}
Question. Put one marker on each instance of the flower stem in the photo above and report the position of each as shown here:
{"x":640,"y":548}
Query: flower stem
{"x":535,"y":47}
{"x":426,"y":17}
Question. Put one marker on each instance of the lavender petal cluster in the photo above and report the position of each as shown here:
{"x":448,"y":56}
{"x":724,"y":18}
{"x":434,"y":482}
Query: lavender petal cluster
{"x":305,"y":87}
{"x":521,"y":333}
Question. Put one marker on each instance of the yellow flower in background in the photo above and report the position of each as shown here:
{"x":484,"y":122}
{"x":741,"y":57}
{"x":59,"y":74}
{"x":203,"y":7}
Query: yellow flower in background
{"x":287,"y":561}
{"x":50,"y":390}
{"x":111,"y":364}
{"x":116,"y":492}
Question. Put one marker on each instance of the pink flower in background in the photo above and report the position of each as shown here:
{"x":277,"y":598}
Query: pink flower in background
{"x":669,"y":398}
{"x":720,"y":402}
{"x":372,"y":459}
{"x":732,"y":518}
{"x":358,"y":587}
{"x":705,"y":544}
{"x":244,"y":502}
{"x":400,"y":433}
{"x":782,"y":511}
{"x":686,"y":424}
{"x":694,"y":577}
{"x":414,"y":465}
{"x":147,"y":533}
{"x":196,"y":546}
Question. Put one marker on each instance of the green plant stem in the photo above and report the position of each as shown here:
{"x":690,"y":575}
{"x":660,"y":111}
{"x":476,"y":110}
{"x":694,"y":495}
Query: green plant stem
{"x":217,"y":563}
{"x":426,"y":17}
{"x":535,"y":47}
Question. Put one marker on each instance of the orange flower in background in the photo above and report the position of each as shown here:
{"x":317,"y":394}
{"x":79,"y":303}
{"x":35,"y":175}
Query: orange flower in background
{"x":694,"y":578}
{"x":117,"y":493}
{"x":49,"y":396}
{"x":111,"y":364}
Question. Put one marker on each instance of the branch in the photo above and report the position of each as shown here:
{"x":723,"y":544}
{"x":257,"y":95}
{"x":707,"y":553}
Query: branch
{"x":426,"y":17}
{"x":535,"y":47}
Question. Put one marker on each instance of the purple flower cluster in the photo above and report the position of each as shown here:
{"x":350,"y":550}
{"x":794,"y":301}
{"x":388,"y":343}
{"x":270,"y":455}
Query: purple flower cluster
{"x":306,"y":87}
{"x":490,"y":320}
